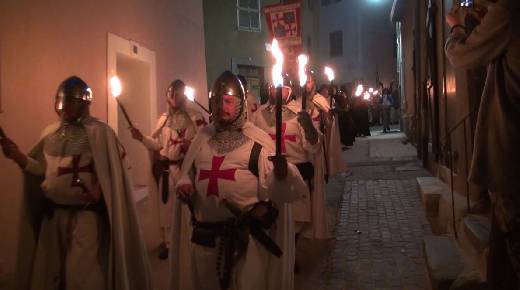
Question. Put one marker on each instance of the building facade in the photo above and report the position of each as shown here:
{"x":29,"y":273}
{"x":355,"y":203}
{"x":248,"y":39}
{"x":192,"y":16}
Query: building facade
{"x":439,"y":104}
{"x":356,"y":38}
{"x":237,"y":38}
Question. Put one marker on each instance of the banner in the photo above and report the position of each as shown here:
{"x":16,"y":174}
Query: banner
{"x":284,"y":24}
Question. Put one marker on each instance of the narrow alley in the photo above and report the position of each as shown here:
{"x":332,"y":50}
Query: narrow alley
{"x":379,"y":221}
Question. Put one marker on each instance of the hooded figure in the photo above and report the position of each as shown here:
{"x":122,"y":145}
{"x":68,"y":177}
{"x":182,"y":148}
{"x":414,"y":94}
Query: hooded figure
{"x":79,"y":228}
{"x":241,"y":234}
{"x":495,"y":42}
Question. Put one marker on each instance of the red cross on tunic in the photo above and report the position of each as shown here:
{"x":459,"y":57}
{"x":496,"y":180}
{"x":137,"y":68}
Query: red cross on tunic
{"x":180,"y":138}
{"x":317,"y":118}
{"x":291,"y":138}
{"x":75,"y":170}
{"x":215,"y":174}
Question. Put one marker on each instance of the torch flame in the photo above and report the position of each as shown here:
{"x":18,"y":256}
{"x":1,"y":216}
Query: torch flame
{"x":376,"y":92}
{"x":330,"y":73}
{"x":302,"y":62}
{"x":366,"y":96}
{"x":278,"y":66}
{"x":115,"y":85}
{"x":359,"y":90}
{"x":189,"y":92}
{"x":371,"y":90}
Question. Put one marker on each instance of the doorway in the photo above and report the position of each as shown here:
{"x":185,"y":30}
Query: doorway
{"x":134,"y":65}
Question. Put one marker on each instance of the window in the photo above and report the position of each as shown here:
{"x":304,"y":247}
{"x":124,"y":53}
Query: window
{"x":336,"y":43}
{"x":310,"y":4}
{"x":248,"y":15}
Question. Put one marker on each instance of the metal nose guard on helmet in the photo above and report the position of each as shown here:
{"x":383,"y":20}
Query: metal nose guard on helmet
{"x":227,"y":84}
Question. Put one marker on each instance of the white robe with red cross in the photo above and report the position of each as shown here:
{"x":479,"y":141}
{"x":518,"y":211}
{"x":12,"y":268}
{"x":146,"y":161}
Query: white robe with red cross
{"x":83,"y":248}
{"x":334,"y":156}
{"x":298,"y":149}
{"x":220,"y":177}
{"x":167,"y":139}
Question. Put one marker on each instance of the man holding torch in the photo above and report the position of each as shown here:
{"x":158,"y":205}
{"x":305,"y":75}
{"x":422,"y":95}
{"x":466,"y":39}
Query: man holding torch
{"x":167,"y":145}
{"x":302,"y":146}
{"x":321,"y":113}
{"x":242,"y":235}
{"x":79,"y":224}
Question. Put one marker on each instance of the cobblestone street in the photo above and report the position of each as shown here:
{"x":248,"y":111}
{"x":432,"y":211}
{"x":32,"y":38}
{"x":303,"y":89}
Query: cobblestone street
{"x":379,"y":223}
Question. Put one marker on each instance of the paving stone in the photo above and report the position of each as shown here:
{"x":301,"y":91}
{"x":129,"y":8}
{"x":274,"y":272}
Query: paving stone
{"x":379,"y":225}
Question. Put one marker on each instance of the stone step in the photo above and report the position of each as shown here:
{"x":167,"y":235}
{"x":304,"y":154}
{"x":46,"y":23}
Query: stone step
{"x":443,"y":260}
{"x":437,"y":201}
{"x":477,"y":229}
{"x":430,"y":189}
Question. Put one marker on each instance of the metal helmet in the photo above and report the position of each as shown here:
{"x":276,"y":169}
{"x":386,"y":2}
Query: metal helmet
{"x":243,"y":80}
{"x":72,"y":88}
{"x":228,"y":84}
{"x":175,"y":86}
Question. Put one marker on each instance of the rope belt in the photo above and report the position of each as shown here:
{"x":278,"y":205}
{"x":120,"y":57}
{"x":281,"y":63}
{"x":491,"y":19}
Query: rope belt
{"x":234,"y":236}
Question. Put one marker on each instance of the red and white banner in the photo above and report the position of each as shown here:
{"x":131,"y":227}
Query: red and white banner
{"x":284,"y":24}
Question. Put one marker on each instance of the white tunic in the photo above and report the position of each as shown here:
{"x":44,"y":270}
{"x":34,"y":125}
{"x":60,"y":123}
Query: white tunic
{"x":171,"y":132}
{"x":218,"y":177}
{"x":70,"y":241}
{"x":295,"y":147}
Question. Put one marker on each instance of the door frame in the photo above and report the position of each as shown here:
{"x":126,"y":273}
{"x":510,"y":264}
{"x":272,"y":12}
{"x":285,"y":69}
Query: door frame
{"x":118,"y":45}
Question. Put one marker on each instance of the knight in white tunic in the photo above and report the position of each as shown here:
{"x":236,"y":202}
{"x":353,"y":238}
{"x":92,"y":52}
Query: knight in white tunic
{"x":79,"y":220}
{"x":242,"y":234}
{"x":324,"y":118}
{"x":301,"y":144}
{"x":167,"y":144}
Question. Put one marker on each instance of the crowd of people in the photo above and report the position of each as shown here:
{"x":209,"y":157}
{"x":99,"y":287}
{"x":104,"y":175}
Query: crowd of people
{"x":358,"y":108}
{"x":234,"y":195}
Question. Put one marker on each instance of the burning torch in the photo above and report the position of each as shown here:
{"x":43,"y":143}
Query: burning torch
{"x":278,"y":83}
{"x":189,"y":92}
{"x":359,"y":90}
{"x":302,"y":62}
{"x":117,"y":89}
{"x":330,"y":75}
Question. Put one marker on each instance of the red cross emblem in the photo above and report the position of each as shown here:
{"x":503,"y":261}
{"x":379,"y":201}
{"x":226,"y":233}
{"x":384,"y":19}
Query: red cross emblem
{"x":291,"y":138}
{"x":201,"y":122}
{"x":215,"y":174}
{"x":75,"y":170}
{"x":180,"y":138}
